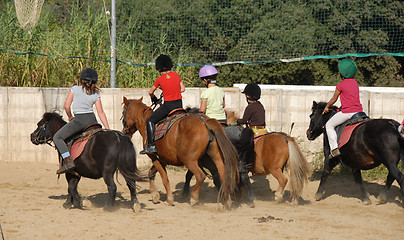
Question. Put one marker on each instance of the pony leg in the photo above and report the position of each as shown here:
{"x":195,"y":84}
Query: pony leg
{"x":282,"y":180}
{"x":164,"y":178}
{"x":109,"y":180}
{"x":152,"y":176}
{"x":396,"y":174}
{"x":245,"y":179}
{"x":328,"y":167}
{"x":214,"y":154}
{"x":358,"y":179}
{"x":382,"y":198}
{"x":152,"y":187}
{"x":73,"y":198}
{"x":133,"y":198}
{"x":200,"y":177}
{"x":188,"y":177}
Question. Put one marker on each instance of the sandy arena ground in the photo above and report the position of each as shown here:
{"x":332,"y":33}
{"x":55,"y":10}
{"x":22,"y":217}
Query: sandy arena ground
{"x":31,"y":199}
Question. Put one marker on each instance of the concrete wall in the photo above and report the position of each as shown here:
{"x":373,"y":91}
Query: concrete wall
{"x":22,"y":108}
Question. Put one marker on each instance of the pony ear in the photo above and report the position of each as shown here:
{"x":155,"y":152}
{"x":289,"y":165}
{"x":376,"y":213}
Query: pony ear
{"x":125,"y":100}
{"x":314,"y":104}
{"x":141,"y":99}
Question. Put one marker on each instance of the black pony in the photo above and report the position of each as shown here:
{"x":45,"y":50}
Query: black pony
{"x":105,"y":152}
{"x":243,"y":140}
{"x":372,"y":143}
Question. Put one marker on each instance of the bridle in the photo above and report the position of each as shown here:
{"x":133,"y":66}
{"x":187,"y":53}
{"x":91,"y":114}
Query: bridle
{"x":126,"y":128}
{"x":44,"y":139}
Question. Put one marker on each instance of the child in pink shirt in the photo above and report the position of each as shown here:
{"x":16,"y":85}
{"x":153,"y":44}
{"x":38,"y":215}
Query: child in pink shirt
{"x":348,"y":89}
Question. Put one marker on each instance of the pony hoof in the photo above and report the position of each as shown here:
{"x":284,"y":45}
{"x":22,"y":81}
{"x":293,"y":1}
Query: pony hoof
{"x":108,"y":208}
{"x":227,"y":205}
{"x":137,"y":208}
{"x":278,"y":199}
{"x":318,"y":196}
{"x":193,"y":202}
{"x":156,"y":197}
{"x":169,"y":203}
{"x":251,"y":205}
{"x":366,"y":201}
{"x":86,"y":203}
{"x":382,"y":198}
{"x":67,"y":205}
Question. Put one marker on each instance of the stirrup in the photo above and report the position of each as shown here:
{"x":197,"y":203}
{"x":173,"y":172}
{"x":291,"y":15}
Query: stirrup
{"x":63,"y":169}
{"x":149,"y":149}
{"x":334,"y":153}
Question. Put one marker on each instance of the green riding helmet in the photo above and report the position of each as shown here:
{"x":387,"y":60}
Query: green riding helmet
{"x":347,"y":68}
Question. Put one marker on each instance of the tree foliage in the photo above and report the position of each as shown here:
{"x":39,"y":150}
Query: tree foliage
{"x":73,"y":34}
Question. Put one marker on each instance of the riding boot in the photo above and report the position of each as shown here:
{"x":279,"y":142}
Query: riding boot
{"x":334,"y":153}
{"x":69,"y":165}
{"x":150,"y":146}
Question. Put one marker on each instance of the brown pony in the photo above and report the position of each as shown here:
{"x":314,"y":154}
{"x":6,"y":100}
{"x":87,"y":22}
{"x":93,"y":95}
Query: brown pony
{"x":187,"y":141}
{"x":274,"y":152}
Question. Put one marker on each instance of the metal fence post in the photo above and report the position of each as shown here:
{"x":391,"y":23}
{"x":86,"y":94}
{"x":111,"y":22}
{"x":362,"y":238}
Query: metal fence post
{"x":113,"y":44}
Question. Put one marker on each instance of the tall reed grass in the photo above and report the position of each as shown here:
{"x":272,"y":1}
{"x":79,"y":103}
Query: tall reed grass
{"x":72,"y":41}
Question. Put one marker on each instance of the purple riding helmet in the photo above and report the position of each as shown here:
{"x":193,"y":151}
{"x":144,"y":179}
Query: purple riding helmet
{"x":208,"y":72}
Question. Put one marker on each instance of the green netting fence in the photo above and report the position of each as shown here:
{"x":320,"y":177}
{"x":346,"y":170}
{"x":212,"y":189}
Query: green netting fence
{"x":218,"y":32}
{"x":201,"y":31}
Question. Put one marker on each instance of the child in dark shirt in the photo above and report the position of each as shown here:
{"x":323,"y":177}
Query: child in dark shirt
{"x":254,"y":113}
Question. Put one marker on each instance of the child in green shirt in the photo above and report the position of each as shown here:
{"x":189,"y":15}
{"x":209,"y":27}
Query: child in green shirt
{"x":212,"y":99}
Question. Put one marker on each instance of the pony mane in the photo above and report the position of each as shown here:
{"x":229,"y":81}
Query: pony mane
{"x":138,"y":102}
{"x":48,"y":116}
{"x":192,"y":110}
{"x":319,"y":106}
{"x":231,"y":116}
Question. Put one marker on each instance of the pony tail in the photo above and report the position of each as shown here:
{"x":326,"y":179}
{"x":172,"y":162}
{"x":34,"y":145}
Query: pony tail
{"x":230,"y":160}
{"x":299,"y":169}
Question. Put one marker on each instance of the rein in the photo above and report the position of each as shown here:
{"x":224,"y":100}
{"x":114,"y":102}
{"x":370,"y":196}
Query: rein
{"x":126,"y":128}
{"x":44,"y":140}
{"x":124,"y":122}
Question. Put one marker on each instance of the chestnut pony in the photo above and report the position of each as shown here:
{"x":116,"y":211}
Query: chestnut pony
{"x":185,"y":143}
{"x":270,"y":154}
{"x":276,"y":151}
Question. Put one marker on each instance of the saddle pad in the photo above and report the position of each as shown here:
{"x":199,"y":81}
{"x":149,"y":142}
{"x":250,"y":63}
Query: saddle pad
{"x":257,"y":138}
{"x":346,"y":134}
{"x":78,"y":148}
{"x":164,"y":125}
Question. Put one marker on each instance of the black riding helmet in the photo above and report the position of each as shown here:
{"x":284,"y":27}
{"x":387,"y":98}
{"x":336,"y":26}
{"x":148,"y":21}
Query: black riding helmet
{"x":253,"y":91}
{"x":164,"y":63}
{"x":89,"y":75}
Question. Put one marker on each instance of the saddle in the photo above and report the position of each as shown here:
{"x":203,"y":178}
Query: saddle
{"x":345,"y":130}
{"x":256,"y":138}
{"x":164,"y":125}
{"x":77,"y":143}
